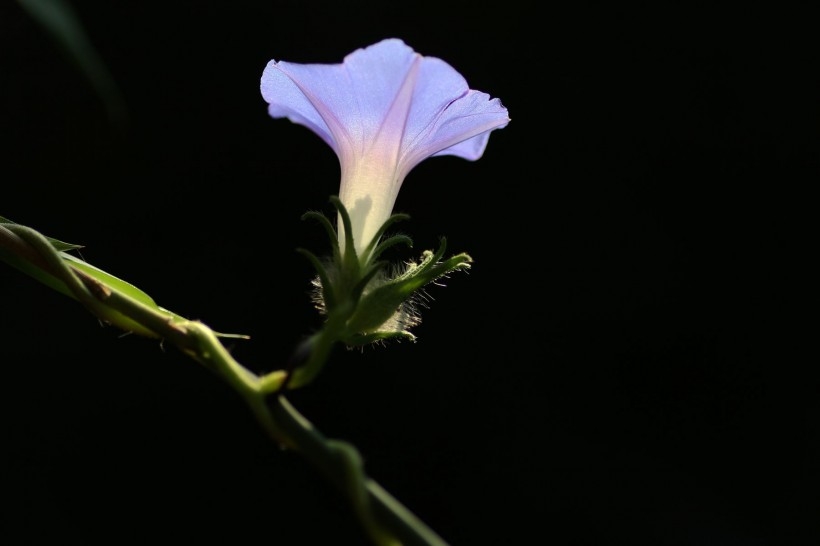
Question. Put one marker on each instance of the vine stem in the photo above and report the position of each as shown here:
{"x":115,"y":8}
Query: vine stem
{"x":385,"y":520}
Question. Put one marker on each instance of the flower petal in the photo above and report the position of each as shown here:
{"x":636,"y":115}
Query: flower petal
{"x":462,"y":129}
{"x":344,"y":103}
{"x":348,"y":105}
{"x":286,"y":98}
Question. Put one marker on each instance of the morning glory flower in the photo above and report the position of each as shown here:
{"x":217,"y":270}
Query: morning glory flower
{"x":383,"y":111}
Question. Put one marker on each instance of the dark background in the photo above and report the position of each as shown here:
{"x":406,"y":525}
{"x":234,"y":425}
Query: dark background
{"x":619,"y":366}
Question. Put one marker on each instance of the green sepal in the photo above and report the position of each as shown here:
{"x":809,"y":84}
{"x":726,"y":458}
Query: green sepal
{"x":328,"y":295}
{"x":349,"y":262}
{"x":389,"y":242}
{"x":372,"y":270}
{"x":362,"y":302}
{"x":381,"y":305}
{"x":329,"y":229}
{"x":373,"y":254}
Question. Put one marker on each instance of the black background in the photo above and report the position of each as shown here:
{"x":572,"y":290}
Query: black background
{"x":617,"y":368}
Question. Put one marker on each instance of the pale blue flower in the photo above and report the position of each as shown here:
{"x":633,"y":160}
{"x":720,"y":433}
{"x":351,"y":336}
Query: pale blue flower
{"x":383,"y":111}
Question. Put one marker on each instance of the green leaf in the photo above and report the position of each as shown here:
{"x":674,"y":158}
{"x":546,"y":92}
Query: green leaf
{"x":115,"y":284}
{"x":59,"y":245}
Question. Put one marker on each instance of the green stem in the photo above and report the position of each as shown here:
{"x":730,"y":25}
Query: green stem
{"x":342,"y":465}
{"x":386,"y":521}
